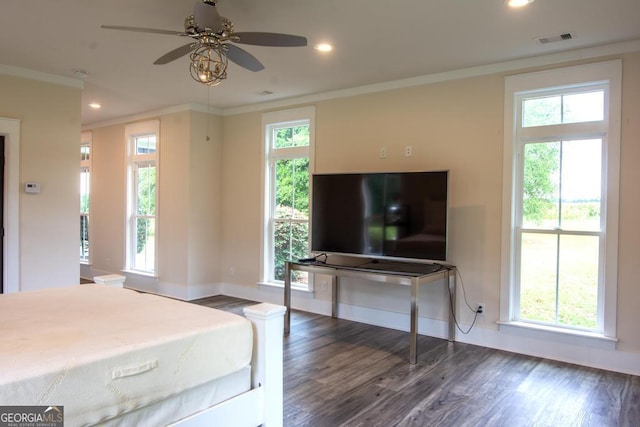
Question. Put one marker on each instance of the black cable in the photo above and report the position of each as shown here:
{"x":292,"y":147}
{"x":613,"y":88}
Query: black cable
{"x":314,"y":259}
{"x":464,"y":293}
{"x":452,"y":308}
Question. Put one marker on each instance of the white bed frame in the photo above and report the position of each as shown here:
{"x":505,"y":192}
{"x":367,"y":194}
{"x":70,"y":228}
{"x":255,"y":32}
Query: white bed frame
{"x":263,"y":404}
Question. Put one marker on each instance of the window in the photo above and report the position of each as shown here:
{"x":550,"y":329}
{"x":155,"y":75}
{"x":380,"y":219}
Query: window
{"x":288,"y":137}
{"x":142,"y":178}
{"x":562,"y":149}
{"x":85,"y":175}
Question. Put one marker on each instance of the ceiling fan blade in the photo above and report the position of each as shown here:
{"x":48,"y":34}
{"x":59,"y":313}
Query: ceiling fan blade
{"x":243,"y":58}
{"x":206,"y":16}
{"x":270,"y":39}
{"x":175,"y":54}
{"x":143,"y":30}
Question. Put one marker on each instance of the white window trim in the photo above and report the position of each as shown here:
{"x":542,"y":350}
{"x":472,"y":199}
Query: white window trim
{"x":610,"y":72}
{"x":132,"y":131}
{"x":270,"y":119}
{"x":86,"y":138}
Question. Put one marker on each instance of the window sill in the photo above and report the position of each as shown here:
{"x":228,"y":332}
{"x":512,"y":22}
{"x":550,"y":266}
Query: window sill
{"x":543,"y":331}
{"x":281,"y":286}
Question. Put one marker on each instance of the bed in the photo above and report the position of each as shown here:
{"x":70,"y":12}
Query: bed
{"x":113,"y":356}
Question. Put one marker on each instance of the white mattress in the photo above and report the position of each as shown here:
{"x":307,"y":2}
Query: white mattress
{"x":189,"y":402}
{"x":103,"y":351}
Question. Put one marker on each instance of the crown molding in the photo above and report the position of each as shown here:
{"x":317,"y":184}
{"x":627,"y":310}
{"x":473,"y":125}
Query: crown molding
{"x":153,"y":114}
{"x":26,"y":73}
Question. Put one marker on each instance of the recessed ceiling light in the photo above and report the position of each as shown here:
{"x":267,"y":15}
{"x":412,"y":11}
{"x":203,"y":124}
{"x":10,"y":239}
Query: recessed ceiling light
{"x":323,"y":47}
{"x":95,"y":105}
{"x":518,"y":3}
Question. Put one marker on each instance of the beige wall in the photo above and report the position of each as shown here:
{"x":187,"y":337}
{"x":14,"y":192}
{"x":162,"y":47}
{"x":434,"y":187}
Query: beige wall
{"x":455,"y":125}
{"x":49,"y":117}
{"x":107,"y":199}
{"x":629,"y":233}
{"x":188,"y":204}
{"x":205,"y":204}
{"x":241,"y":199}
{"x":173,"y":199}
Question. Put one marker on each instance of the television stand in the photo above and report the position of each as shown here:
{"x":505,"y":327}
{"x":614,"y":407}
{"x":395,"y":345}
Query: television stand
{"x":413,"y":275}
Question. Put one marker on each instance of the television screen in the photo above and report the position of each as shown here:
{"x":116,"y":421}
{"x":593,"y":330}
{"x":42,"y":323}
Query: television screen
{"x":381,"y":215}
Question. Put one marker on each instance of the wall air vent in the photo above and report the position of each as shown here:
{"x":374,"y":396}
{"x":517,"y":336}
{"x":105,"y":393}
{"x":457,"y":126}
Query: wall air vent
{"x":556,"y":38}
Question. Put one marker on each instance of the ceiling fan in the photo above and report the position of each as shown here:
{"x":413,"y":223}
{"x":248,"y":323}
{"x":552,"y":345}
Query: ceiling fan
{"x":212,"y":45}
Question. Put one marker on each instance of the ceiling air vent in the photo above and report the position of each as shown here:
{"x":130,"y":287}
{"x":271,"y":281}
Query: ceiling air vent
{"x":556,"y":38}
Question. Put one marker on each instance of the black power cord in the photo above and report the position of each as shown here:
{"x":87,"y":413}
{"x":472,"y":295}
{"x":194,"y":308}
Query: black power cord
{"x":315,"y":259}
{"x":452,"y":308}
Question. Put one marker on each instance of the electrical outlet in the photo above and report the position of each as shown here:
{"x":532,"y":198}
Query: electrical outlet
{"x":408,"y":151}
{"x":383,"y":152}
{"x":480,"y":309}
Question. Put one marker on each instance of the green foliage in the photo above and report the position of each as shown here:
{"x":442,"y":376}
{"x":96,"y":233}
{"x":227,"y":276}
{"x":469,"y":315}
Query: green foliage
{"x":290,"y":241}
{"x":146,"y":204}
{"x":84,"y":203}
{"x":542,"y":111}
{"x":292,"y":188}
{"x":568,"y":296}
{"x":540,"y":188}
{"x":84,"y":236}
{"x":142,"y":231}
{"x":297,"y":136}
{"x":580,"y":211}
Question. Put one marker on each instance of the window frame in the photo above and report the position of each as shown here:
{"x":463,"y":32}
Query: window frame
{"x":85,"y":165}
{"x":270,"y":122}
{"x":563,"y":80}
{"x":133,"y":161}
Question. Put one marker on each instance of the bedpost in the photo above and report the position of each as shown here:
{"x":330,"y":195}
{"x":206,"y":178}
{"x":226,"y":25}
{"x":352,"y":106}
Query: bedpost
{"x":267,"y":365}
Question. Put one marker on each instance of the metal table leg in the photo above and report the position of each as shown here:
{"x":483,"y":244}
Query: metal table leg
{"x":334,"y":296}
{"x":451,"y":283}
{"x":413,"y":338}
{"x":287,"y":297}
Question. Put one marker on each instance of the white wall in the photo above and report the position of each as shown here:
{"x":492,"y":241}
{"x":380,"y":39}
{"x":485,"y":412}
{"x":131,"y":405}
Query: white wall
{"x":49,"y":115}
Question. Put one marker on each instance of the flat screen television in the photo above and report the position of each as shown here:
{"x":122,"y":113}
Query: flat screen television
{"x":381,"y":215}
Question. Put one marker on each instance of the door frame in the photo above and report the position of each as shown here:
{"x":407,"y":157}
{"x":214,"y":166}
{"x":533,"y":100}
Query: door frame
{"x":10,"y":129}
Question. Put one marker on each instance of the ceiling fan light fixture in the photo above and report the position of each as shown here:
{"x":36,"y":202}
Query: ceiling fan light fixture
{"x":209,"y":64}
{"x":213,"y":43}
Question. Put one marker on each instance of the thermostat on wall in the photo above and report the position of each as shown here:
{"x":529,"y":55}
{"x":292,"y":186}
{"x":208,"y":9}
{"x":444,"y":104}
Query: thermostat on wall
{"x":32,"y":187}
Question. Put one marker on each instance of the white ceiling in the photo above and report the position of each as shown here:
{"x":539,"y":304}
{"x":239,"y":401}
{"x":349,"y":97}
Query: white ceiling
{"x":375,"y":41}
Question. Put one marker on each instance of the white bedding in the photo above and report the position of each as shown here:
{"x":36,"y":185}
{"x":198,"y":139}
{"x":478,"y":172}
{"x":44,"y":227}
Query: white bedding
{"x":103,"y":351}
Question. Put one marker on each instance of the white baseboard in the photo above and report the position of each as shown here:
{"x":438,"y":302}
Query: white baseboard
{"x":154,"y":285}
{"x":584,"y":351}
{"x":173,"y":290}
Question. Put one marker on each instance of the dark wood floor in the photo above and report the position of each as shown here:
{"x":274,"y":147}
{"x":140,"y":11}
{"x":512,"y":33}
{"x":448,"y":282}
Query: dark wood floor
{"x":343,"y":373}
